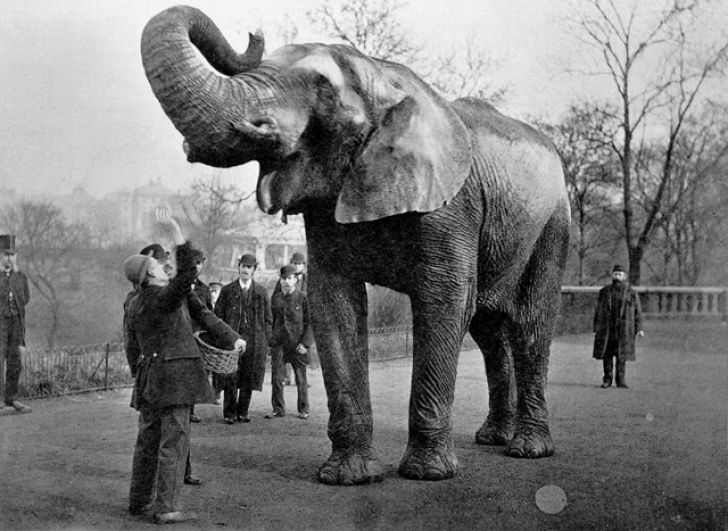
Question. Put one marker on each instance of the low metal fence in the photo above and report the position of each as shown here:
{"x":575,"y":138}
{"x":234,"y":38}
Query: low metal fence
{"x":67,"y":370}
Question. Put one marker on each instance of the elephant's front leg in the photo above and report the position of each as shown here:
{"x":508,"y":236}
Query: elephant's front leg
{"x":439,"y":325}
{"x":339,"y":317}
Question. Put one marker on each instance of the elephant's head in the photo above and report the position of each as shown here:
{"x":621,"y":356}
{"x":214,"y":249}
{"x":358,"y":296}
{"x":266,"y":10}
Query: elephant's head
{"x":329,"y":126}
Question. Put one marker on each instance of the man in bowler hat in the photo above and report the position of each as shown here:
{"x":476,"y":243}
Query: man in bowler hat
{"x":292,"y":338}
{"x":298,"y":262}
{"x":14,"y":296}
{"x":244,"y":305}
{"x":617,"y":320}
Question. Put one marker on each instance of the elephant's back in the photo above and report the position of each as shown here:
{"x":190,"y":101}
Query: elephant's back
{"x":515,"y":161}
{"x":484,"y":119}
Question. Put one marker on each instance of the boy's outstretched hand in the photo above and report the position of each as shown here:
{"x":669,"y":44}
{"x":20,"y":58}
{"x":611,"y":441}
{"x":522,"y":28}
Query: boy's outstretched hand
{"x":169,"y":224}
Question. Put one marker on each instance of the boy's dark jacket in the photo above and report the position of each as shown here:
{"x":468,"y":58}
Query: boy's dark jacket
{"x":162,"y":353}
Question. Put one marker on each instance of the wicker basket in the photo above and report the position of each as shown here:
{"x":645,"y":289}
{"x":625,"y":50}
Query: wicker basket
{"x":216,"y":359}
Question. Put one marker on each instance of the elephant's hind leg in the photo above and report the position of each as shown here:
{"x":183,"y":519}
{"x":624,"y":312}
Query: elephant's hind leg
{"x":532,"y":437}
{"x":489,"y":331}
{"x":538,"y":302}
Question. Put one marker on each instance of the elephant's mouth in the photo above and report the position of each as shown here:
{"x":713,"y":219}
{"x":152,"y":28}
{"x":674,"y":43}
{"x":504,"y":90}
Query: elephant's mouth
{"x":276,"y":191}
{"x":267,"y":198}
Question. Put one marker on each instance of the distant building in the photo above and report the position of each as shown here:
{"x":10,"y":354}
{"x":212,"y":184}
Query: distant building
{"x":270,"y":241}
{"x":129,"y":216}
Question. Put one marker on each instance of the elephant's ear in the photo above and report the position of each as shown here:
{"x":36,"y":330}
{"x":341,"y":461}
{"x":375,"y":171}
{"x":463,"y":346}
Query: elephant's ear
{"x":416,"y":160}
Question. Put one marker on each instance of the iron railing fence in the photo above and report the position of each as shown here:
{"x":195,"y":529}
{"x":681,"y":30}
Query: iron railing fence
{"x":68,"y":370}
{"x":76,"y":369}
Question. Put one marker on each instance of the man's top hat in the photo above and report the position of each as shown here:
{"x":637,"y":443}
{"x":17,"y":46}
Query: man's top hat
{"x":7,"y":243}
{"x":157,"y":251}
{"x":298,"y":258}
{"x":248,"y":260}
{"x":617,"y":269}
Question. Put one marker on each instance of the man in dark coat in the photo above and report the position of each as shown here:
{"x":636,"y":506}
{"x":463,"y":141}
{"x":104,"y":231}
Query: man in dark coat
{"x":157,"y":252}
{"x":617,"y":320}
{"x":292,"y":337}
{"x":14,"y":295}
{"x":244,"y":305}
{"x":169,"y":374}
{"x":298,"y":261}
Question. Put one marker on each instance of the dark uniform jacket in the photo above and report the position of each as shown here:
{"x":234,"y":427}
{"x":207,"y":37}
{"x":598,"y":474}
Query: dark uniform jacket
{"x":250,"y":316}
{"x":17,"y":284}
{"x":291,"y":325}
{"x":160,"y":348}
{"x":202,"y":291}
{"x":630,"y":321}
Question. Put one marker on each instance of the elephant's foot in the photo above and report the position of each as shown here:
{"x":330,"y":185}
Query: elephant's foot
{"x":531,"y":442}
{"x":494,"y":433}
{"x":429,"y":464}
{"x":350,"y":469}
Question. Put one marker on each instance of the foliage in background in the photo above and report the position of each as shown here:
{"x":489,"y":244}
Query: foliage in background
{"x":387,"y":308}
{"x":54,"y":251}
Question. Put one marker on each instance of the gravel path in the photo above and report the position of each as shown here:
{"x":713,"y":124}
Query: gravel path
{"x":650,"y":457}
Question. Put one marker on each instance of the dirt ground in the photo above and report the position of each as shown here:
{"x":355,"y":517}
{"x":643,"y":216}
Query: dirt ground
{"x":650,"y":457}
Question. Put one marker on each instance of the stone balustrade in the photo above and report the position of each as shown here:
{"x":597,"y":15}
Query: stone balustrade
{"x":658,"y":302}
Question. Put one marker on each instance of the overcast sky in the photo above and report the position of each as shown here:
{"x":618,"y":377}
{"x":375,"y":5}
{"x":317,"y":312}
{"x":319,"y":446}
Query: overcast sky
{"x":77,"y":109}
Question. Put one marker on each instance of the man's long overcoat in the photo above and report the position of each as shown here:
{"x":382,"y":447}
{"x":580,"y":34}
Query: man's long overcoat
{"x":630,"y":318}
{"x":231,"y":308}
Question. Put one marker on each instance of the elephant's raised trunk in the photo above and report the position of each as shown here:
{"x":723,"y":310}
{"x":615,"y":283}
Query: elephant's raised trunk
{"x":204,"y":104}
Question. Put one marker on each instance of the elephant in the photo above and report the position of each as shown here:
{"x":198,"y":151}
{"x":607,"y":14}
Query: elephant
{"x":450,"y":202}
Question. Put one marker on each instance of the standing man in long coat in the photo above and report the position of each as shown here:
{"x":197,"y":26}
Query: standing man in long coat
{"x":617,"y":321}
{"x":14,"y":295}
{"x":244,"y":305}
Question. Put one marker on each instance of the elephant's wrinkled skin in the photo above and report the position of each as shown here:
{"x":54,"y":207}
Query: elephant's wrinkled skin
{"x":454,"y":204}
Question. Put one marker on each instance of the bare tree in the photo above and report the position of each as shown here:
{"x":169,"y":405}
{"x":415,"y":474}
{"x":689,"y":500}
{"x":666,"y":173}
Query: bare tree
{"x":660,"y":79}
{"x":371,"y":26}
{"x":212,"y":209}
{"x":701,"y":156}
{"x":51,"y":249}
{"x":468,"y":72}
